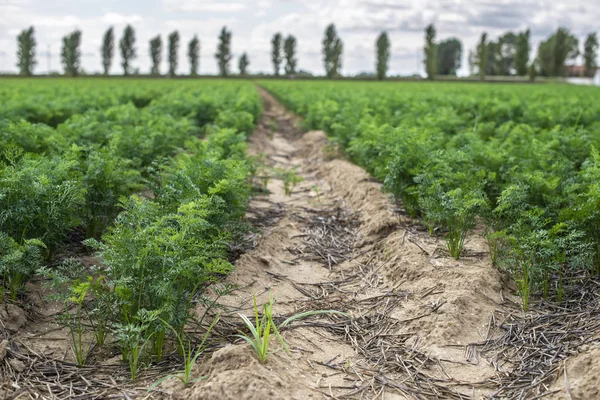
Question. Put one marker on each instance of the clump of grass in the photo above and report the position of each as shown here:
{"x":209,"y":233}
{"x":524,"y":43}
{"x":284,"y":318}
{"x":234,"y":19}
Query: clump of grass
{"x":189,"y":356}
{"x":263,"y":326}
{"x":289,"y":177}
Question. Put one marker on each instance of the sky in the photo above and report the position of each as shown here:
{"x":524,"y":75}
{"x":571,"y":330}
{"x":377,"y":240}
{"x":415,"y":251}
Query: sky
{"x":253,"y":23}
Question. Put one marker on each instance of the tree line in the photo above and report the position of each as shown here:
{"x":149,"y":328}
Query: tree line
{"x":508,"y":55}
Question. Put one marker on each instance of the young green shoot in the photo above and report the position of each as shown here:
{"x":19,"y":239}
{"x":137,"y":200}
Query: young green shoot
{"x":260,"y":330}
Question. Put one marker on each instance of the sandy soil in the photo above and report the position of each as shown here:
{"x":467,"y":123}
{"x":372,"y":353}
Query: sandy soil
{"x":580,"y":380}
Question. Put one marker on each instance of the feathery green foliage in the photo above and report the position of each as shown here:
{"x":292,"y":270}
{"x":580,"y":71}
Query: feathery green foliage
{"x":520,"y":160}
{"x":158,"y":252}
{"x":18,"y":263}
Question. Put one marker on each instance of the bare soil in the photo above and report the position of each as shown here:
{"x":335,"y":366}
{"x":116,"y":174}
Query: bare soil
{"x":416,"y":318}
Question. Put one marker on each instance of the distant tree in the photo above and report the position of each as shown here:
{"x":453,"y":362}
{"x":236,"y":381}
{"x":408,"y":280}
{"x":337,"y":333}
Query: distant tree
{"x":481,"y":56}
{"x":194,"y":55}
{"x":532,"y":71}
{"x":243,"y":64}
{"x":26,"y":51}
{"x":107,"y":49}
{"x":430,"y":52}
{"x":493,"y":62}
{"x":590,"y":54}
{"x":566,"y":47}
{"x":155,"y":54}
{"x":554,"y":52}
{"x":223,"y":54}
{"x":522,"y":49}
{"x":545,"y":57}
{"x":276,"y":57}
{"x":471,"y":61}
{"x":70,"y":54}
{"x":449,"y":56}
{"x":383,"y":55}
{"x":289,"y":49}
{"x":128,"y":51}
{"x":173,"y":50}
{"x":332,"y":52}
{"x":506,"y":51}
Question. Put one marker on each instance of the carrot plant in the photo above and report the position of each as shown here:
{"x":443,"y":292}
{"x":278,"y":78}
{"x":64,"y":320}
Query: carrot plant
{"x":106,"y":179}
{"x":40,"y":198}
{"x":451,"y":196}
{"x":17,"y":263}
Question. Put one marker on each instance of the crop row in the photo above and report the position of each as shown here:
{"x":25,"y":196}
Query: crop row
{"x":157,"y":188}
{"x":521,"y":160}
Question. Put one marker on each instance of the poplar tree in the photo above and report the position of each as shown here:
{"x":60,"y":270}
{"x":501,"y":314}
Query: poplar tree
{"x":194,"y":55}
{"x":332,"y":52}
{"x":590,"y":54}
{"x":155,"y":55}
{"x":522,"y":49}
{"x":430,"y":52}
{"x":26,"y":51}
{"x":71,"y":54}
{"x":276,"y":57}
{"x":243,"y":64}
{"x":173,"y":50}
{"x":481,"y":56}
{"x":289,"y":48}
{"x":107,"y":49}
{"x":383,"y":55}
{"x":128,"y":50}
{"x":223,"y":54}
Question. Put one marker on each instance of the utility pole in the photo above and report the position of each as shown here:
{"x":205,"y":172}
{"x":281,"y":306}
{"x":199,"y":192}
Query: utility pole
{"x":48,"y":55}
{"x":419,"y":61}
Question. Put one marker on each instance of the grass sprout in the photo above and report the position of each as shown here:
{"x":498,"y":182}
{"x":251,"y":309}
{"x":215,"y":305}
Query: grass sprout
{"x":263,"y":326}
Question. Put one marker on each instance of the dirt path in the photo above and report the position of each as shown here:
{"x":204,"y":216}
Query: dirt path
{"x":337,"y":243}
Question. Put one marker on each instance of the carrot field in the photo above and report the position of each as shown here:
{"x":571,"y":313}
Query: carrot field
{"x":296,"y":239}
{"x":520,"y":160}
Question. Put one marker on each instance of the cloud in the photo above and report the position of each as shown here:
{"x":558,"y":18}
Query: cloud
{"x":204,"y":5}
{"x":113,"y":18}
{"x":253,"y":23}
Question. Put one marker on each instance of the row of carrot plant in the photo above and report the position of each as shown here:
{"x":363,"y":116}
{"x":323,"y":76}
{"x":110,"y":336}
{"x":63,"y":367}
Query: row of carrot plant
{"x":157,"y":188}
{"x":521,"y":160}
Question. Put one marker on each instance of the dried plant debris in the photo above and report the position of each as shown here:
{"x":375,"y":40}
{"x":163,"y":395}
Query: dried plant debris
{"x":329,"y":235}
{"x":530,"y":351}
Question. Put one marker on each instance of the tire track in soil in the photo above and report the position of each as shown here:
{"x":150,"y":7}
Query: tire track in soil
{"x":338,"y":243}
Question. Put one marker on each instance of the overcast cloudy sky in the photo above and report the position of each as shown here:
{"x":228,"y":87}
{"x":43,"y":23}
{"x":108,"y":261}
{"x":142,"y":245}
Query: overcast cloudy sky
{"x":254,"y":22}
